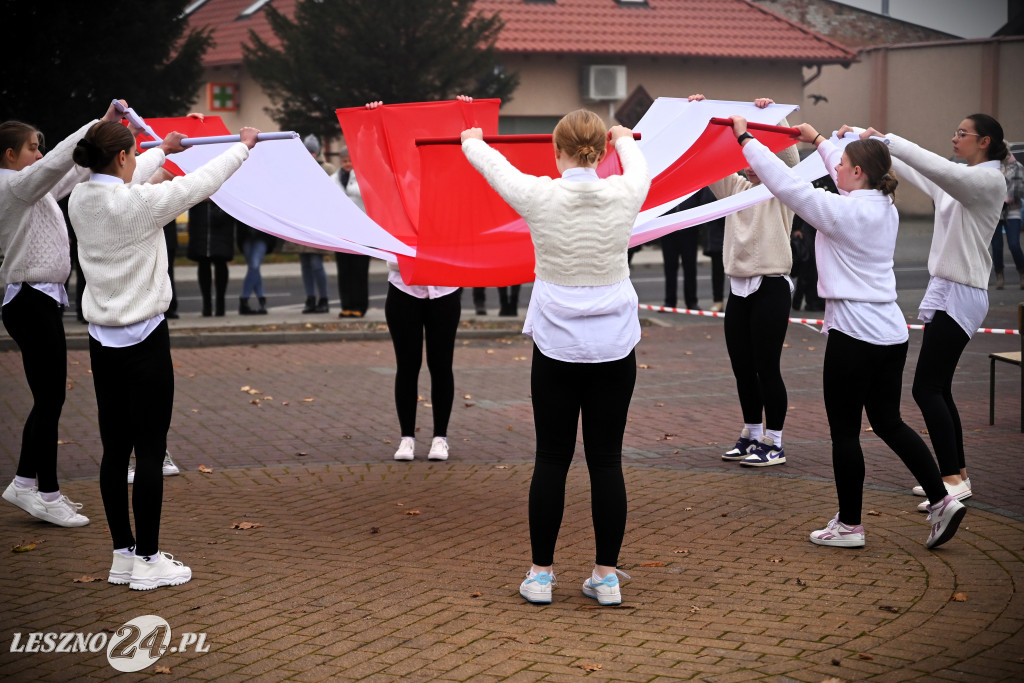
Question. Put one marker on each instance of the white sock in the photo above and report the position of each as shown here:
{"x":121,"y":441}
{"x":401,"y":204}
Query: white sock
{"x":775,"y":435}
{"x":755,"y":431}
{"x":24,"y":482}
{"x":50,"y":497}
{"x":126,"y":552}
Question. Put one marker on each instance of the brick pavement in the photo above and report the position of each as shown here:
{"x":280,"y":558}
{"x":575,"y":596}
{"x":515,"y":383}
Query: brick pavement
{"x":315,"y":595}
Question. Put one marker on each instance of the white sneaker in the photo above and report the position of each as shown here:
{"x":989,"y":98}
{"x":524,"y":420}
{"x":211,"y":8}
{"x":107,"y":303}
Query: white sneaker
{"x":170,"y":469}
{"x":605,"y":591}
{"x":121,"y":569}
{"x":26,"y":499}
{"x":839,"y":535}
{"x":62,"y":512}
{"x":406,"y":449}
{"x":438,"y":449}
{"x":919,"y":490}
{"x":166,"y":571}
{"x":959,"y":491}
{"x":537,"y":588}
{"x":945,"y":518}
{"x":716,"y":307}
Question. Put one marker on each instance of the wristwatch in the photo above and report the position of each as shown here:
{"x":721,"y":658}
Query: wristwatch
{"x":744,"y":136}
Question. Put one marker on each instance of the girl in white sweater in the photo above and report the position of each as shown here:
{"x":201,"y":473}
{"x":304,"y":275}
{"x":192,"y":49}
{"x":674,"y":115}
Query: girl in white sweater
{"x":968,"y":201}
{"x":583,"y":320}
{"x":37,"y":261}
{"x":867,"y":334}
{"x":119,"y":223}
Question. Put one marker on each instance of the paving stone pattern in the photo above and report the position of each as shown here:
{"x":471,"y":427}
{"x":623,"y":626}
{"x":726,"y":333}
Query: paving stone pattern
{"x":343,"y":582}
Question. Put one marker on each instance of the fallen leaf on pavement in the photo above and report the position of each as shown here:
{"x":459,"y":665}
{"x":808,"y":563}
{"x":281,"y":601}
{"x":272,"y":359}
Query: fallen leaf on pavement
{"x":301,"y":453}
{"x":161,"y":669}
{"x":412,"y":512}
{"x":308,"y":400}
{"x":374,"y":529}
{"x":687,"y":509}
{"x":588,"y":667}
{"x":246,"y":525}
{"x":652,"y":564}
{"x":475,"y":595}
{"x":959,"y":597}
{"x":684,"y":552}
{"x":775,"y":560}
{"x":644,"y":366}
{"x":874,"y":513}
{"x":245,"y":388}
{"x":659,"y":405}
{"x":501,"y":467}
{"x":800,"y":582}
{"x":24,"y":548}
{"x":888,"y":608}
{"x":864,"y":655}
{"x":86,"y":579}
{"x":204,"y":469}
{"x":694,"y":609}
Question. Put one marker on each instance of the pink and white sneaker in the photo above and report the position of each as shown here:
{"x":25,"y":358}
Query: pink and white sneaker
{"x":840,"y":535}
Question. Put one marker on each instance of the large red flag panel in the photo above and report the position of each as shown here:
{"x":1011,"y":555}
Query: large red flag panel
{"x":191,"y":126}
{"x":418,"y":186}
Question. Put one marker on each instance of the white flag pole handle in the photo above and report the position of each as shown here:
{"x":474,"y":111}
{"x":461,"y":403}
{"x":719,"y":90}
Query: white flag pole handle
{"x":134,"y":118}
{"x":215,"y":139}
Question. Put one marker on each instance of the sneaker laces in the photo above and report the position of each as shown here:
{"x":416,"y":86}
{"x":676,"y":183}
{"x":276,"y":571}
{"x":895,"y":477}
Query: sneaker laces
{"x":536,"y":578}
{"x":67,"y":502}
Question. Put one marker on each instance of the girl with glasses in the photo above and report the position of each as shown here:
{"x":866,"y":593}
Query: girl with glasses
{"x":968,"y":201}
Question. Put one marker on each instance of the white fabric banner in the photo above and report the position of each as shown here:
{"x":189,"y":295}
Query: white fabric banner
{"x":281,"y":190}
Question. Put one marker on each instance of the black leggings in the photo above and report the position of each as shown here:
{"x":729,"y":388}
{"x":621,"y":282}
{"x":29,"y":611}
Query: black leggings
{"x":755,"y":330}
{"x":562,"y":391}
{"x":408,"y":318}
{"x":353,"y":281}
{"x":134,"y":396}
{"x":943,"y":342}
{"x":33,"y":320}
{"x":861,"y":377}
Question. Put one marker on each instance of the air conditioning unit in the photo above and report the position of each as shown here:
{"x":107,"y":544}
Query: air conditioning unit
{"x":604,"y":82}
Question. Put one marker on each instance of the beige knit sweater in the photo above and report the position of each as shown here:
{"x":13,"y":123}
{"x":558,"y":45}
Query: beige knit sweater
{"x":121,"y":242}
{"x":580,"y":230}
{"x":757,"y":239}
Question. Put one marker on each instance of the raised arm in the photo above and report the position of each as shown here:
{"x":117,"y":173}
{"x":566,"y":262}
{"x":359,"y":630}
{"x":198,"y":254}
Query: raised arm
{"x":171,"y":199}
{"x":514,"y":186}
{"x":960,"y":181}
{"x":817,"y":207}
{"x":634,"y":165}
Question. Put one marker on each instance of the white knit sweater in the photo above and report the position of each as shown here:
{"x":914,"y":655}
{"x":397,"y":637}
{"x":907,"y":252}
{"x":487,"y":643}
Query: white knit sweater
{"x":968,"y":201}
{"x":856,"y":232}
{"x":580,"y":230}
{"x":121,"y":242}
{"x":756,"y":240}
{"x":33,"y":235}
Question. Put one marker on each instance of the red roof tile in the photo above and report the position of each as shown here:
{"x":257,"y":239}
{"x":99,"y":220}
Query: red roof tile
{"x":735,"y":29}
{"x":690,"y":28}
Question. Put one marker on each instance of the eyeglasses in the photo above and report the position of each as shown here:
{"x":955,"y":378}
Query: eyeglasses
{"x":961,"y":133}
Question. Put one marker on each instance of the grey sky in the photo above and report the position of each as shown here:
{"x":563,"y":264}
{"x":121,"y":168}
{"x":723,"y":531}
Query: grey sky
{"x":964,"y":18}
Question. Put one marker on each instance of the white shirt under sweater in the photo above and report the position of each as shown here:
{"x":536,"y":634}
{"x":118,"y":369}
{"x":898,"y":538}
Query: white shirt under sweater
{"x":120,"y":236}
{"x":854,"y":248}
{"x":33,"y":235}
{"x":582,"y":323}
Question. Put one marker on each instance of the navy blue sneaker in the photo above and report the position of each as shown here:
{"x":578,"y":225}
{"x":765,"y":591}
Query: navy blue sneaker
{"x":739,"y":451}
{"x":764,"y":453}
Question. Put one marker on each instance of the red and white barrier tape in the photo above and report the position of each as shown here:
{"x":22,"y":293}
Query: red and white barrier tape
{"x":799,"y":321}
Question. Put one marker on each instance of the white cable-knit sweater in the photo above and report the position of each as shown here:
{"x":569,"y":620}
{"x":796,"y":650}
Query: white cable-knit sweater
{"x":33,"y":235}
{"x":968,"y":201}
{"x":580,"y":230}
{"x":121,"y":242}
{"x":856,"y":232}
